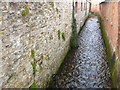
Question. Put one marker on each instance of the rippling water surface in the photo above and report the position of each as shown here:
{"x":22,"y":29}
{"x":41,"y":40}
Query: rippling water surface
{"x":85,"y":66}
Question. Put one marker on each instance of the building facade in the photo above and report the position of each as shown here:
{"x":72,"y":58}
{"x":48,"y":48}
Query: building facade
{"x":82,"y":8}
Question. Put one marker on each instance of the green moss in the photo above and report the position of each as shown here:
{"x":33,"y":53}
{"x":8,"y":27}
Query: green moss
{"x":114,"y":74}
{"x":59,"y":34}
{"x":43,"y":56}
{"x":57,"y":10}
{"x":41,"y":68}
{"x":32,"y":53}
{"x":106,"y":41}
{"x":63,"y":36}
{"x":48,"y":57}
{"x":34,"y":67}
{"x":59,"y":15}
{"x":26,"y":8}
{"x":52,"y":4}
{"x":13,"y":74}
{"x":25,"y":12}
{"x":112,"y":61}
{"x":34,"y":64}
{"x":34,"y":85}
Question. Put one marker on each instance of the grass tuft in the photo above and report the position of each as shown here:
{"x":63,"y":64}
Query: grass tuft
{"x":63,"y":36}
{"x":25,"y":12}
{"x":34,"y":67}
{"x":34,"y":85}
{"x":59,"y":34}
{"x":32,"y":53}
{"x":52,"y":4}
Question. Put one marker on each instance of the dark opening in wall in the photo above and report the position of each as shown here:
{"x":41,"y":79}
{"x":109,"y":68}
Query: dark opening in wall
{"x":81,"y":6}
{"x":76,"y":7}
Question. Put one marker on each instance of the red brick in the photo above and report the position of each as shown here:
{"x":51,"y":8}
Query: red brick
{"x":110,"y":11}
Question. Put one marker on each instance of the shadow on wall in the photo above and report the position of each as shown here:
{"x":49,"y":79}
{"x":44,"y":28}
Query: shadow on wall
{"x":74,"y":39}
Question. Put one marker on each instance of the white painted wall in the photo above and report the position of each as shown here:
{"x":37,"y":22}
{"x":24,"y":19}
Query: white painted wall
{"x":81,"y":15}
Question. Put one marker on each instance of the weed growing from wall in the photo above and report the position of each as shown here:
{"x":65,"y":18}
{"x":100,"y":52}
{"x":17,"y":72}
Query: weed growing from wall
{"x":57,"y":10}
{"x":63,"y":36}
{"x":59,"y":34}
{"x":34,"y":64}
{"x":52,"y":4}
{"x":32,"y":54}
{"x":25,"y":12}
{"x":41,"y":67}
{"x":34,"y":67}
{"x":34,"y":85}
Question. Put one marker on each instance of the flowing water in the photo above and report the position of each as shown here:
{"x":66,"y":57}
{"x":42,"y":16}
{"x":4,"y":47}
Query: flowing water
{"x":87,"y":65}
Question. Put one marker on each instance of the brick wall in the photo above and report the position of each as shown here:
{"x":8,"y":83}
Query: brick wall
{"x":119,"y":41}
{"x":95,"y":8}
{"x":110,"y":14}
{"x":119,"y":29}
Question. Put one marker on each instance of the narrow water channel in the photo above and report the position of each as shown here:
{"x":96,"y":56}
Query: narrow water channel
{"x":87,"y":65}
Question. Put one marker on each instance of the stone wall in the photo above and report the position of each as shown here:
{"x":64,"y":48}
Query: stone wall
{"x":36,"y":32}
{"x":34,"y":40}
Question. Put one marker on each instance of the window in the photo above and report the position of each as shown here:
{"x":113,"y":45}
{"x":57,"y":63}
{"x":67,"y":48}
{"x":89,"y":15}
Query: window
{"x":81,"y":6}
{"x":76,"y":7}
